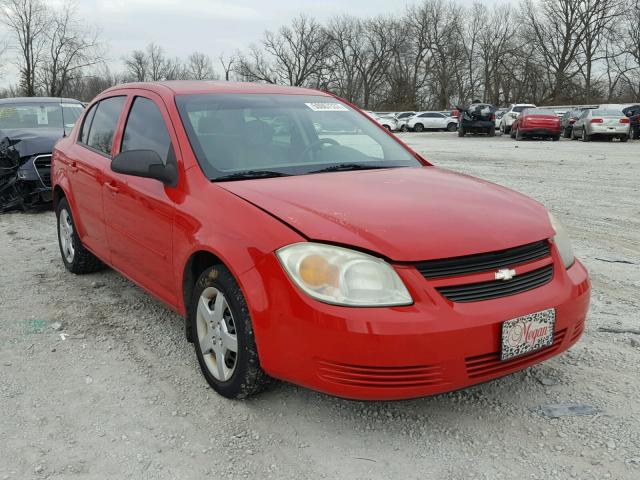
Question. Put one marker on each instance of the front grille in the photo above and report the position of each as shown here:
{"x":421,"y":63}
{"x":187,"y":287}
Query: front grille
{"x":381,"y":377}
{"x":43,"y":167}
{"x":474,"y":292}
{"x":483,"y":262}
{"x":491,"y":364}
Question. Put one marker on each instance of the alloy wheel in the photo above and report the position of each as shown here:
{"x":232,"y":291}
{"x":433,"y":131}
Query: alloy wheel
{"x":217,"y":334}
{"x":66,"y":235}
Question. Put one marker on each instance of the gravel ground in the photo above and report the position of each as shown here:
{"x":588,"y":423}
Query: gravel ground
{"x":97,"y":381}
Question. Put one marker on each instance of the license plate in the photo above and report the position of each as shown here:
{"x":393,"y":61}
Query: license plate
{"x":527,"y":334}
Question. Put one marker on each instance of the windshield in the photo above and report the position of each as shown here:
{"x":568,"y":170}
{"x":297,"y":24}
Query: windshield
{"x":39,"y":115}
{"x":283,"y":135}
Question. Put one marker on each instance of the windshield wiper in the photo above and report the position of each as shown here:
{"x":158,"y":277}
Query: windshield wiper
{"x":248,"y":174}
{"x":345,"y":167}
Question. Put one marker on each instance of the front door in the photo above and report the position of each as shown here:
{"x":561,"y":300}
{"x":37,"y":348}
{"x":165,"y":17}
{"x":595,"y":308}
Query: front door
{"x":139,"y":211}
{"x":88,"y":159}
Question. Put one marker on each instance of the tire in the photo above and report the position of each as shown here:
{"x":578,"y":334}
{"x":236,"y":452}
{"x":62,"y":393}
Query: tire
{"x":75,"y":257}
{"x":573,"y":134}
{"x":492,"y":132}
{"x":452,"y":127}
{"x":404,"y":128}
{"x":387,"y":127}
{"x":585,"y":137}
{"x":518,"y":136}
{"x":240,"y":374}
{"x":624,"y":138}
{"x":507,"y":129}
{"x":555,"y":138}
{"x":418,"y":127}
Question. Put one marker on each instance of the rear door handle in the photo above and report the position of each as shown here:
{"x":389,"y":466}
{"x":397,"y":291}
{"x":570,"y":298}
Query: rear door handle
{"x":114,"y":188}
{"x":73,"y":166}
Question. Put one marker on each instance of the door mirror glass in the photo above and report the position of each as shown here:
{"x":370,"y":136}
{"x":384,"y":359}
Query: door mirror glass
{"x":147,"y":164}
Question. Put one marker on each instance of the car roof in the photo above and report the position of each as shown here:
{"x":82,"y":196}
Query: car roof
{"x":8,"y":101}
{"x":189,"y":87}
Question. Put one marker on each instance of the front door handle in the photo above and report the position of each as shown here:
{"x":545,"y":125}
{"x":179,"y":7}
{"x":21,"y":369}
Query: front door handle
{"x":112,"y":187}
{"x":73,"y":166}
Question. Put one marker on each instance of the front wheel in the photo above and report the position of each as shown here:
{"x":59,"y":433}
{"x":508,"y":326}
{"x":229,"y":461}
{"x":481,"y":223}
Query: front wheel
{"x":75,"y":257}
{"x":418,"y":127}
{"x":452,"y":127}
{"x":404,"y":128}
{"x":222,"y":333}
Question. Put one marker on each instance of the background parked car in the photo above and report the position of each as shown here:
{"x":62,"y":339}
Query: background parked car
{"x":477,"y":118}
{"x":633,"y":113}
{"x":499,"y":114}
{"x":511,"y":115}
{"x":388,"y":121}
{"x":29,"y":127}
{"x":608,"y":123}
{"x":536,"y":122}
{"x":403,"y":119}
{"x":432,"y":121}
{"x":568,"y":119}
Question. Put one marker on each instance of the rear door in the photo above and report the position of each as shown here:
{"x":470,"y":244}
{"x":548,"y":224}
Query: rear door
{"x":89,"y":157}
{"x":139,"y":211}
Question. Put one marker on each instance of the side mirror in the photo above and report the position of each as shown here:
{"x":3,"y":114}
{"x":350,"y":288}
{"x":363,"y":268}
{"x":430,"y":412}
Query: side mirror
{"x":146,"y":164}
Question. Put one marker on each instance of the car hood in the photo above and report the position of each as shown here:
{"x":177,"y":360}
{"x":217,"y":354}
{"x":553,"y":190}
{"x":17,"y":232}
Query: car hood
{"x":30,"y":142}
{"x":404,"y":214}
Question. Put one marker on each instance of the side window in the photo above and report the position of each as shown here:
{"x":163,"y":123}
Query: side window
{"x":424,"y":115}
{"x":104,"y":124}
{"x":146,"y":129}
{"x":84,"y":133}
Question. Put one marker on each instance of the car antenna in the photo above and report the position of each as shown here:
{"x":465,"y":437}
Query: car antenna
{"x":64,"y":128}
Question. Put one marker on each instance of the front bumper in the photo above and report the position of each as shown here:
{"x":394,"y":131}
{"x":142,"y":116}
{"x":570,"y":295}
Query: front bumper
{"x":430,"y":347}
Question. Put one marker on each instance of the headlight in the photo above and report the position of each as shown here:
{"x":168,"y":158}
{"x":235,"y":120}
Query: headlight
{"x":343,"y":277}
{"x":562,"y":242}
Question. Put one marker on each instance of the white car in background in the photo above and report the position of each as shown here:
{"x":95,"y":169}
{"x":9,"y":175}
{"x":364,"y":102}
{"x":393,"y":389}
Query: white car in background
{"x":510,"y":116}
{"x":432,"y":121}
{"x":388,"y":121}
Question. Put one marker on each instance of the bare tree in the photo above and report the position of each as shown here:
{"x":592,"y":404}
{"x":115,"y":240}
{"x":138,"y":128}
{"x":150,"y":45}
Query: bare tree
{"x":228,"y":65}
{"x":71,"y":49}
{"x":199,"y":67}
{"x":293,"y":55}
{"x":28,"y":22}
{"x":137,"y":66}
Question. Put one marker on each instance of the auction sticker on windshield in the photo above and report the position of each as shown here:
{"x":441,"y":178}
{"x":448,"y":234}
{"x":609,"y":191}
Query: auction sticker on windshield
{"x":327,"y":107}
{"x":527,"y":334}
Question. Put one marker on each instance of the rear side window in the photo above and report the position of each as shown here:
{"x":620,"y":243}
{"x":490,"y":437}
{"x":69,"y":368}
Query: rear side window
{"x":146,"y":129}
{"x":104,"y":124}
{"x":84,"y":133}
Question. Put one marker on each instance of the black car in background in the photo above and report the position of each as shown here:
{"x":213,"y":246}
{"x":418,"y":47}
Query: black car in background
{"x":29,"y":128}
{"x":633,"y":112}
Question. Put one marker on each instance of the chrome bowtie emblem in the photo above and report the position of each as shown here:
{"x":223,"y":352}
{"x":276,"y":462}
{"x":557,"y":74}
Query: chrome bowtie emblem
{"x":505,"y":274}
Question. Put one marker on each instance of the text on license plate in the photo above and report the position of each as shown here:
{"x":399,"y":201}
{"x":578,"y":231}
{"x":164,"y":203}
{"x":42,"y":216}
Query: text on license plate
{"x":527,"y":334}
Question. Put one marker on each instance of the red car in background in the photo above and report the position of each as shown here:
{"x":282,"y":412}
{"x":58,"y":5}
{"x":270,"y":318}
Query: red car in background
{"x":536,"y":122}
{"x":337,"y":259}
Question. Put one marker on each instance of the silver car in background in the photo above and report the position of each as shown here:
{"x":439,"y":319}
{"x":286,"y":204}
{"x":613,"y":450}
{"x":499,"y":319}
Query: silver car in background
{"x":607,"y":123}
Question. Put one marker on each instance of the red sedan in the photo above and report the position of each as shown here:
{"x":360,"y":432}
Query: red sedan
{"x":334,"y":258}
{"x":536,"y":122}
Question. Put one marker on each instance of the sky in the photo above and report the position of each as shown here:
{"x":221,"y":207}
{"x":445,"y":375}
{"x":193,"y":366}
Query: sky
{"x":214,"y":27}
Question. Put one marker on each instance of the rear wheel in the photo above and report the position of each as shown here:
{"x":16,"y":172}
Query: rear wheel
{"x":223,"y":335}
{"x":555,"y":138}
{"x":518,"y":135}
{"x":452,"y":127}
{"x":418,"y":127}
{"x":75,"y":257}
{"x":624,"y":138}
